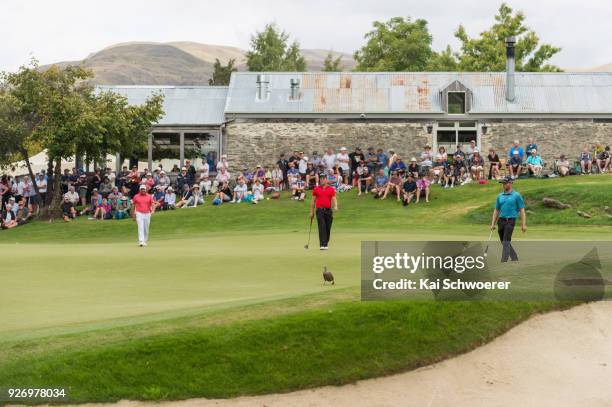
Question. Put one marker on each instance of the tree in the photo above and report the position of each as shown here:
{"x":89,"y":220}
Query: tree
{"x":332,"y":64}
{"x":396,"y":45}
{"x":487,"y":52}
{"x":222,"y":74}
{"x":60,"y":111}
{"x":270,"y":51}
{"x":444,"y":61}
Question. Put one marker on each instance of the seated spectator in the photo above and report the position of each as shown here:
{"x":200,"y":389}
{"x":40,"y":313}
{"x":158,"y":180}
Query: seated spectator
{"x":383,"y":159}
{"x":298,"y":190}
{"x":398,"y":166}
{"x":563,"y":166}
{"x":257,"y":190}
{"x":82,"y":188}
{"x":535,"y":165}
{"x":380,"y":184}
{"x":442,"y":154}
{"x":476,"y":165}
{"x":222,"y":164}
{"x":182,"y":179}
{"x":363,"y":177}
{"x":277,"y":178}
{"x":103,"y":210}
{"x":333,"y":179}
{"x":72,"y":196}
{"x":113,"y":197}
{"x":169,"y":199}
{"x":586,"y":160}
{"x":516,"y":148}
{"x":194,"y":199}
{"x":315,"y":159}
{"x":394,"y":185}
{"x":185,"y":195}
{"x":260,"y":173}
{"x":205,"y":185}
{"x":22,"y":213}
{"x":158,"y":197}
{"x":9,"y":218}
{"x":240,"y":191}
{"x":515,"y":164}
{"x":438,"y":167}
{"x":164,"y":180}
{"x":106,"y":187}
{"x":413,"y":168}
{"x":426,"y":159}
{"x":450,"y":176}
{"x":204,"y":169}
{"x":422,"y":187}
{"x":94,"y":201}
{"x":122,"y":211}
{"x":223,"y":176}
{"x":461,"y":169}
{"x":603,"y":160}
{"x":494,"y":164}
{"x":149,"y":182}
{"x":267,"y":182}
{"x":409,"y":189}
{"x":224,"y":194}
{"x":68,"y":209}
{"x":312,"y":176}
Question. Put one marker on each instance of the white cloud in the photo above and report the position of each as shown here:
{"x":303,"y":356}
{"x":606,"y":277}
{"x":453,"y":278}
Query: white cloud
{"x":70,"y":29}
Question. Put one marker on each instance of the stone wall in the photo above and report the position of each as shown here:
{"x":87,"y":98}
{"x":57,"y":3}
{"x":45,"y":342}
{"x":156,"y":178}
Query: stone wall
{"x":254,"y":142}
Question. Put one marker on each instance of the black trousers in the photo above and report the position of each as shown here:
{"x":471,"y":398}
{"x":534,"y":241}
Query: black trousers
{"x":324,"y":221}
{"x":505,"y":228}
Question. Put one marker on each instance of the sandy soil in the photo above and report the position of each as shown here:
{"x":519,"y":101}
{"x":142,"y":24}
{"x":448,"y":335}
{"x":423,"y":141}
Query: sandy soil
{"x":557,"y":359}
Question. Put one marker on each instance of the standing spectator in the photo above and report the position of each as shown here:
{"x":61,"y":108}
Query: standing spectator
{"x":459,"y":151}
{"x":603,"y":160}
{"x":106,"y":187}
{"x":329,"y":159}
{"x":122,"y":178}
{"x":283,"y":165}
{"x":494,"y":164}
{"x":205,"y":169}
{"x":426,"y":160}
{"x":315,"y":159}
{"x":422,"y":187}
{"x":65,"y":181}
{"x":372,"y":160}
{"x":383,"y":159}
{"x":222,"y":176}
{"x":5,"y":192}
{"x":18,"y":188}
{"x":516,"y":148}
{"x":278,"y":176}
{"x":191,"y":172}
{"x":29,"y":193}
{"x":535,"y":163}
{"x":343,"y":162}
{"x":312,"y":176}
{"x":302,"y":166}
{"x":469,"y":150}
{"x":110,"y":175}
{"x":182,"y":179}
{"x":531,"y":146}
{"x":515,"y":164}
{"x":355,"y":158}
{"x":222,"y":163}
{"x":586,"y":160}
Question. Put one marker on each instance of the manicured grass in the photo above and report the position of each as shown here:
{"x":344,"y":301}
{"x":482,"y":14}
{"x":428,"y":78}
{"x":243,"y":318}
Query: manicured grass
{"x":226,"y":301}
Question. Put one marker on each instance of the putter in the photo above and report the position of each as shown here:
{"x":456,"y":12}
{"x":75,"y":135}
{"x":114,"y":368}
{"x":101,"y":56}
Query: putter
{"x":309,"y":230}
{"x":488,"y":241}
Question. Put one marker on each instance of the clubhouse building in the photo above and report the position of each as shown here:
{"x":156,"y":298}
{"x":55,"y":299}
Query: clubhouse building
{"x":260,"y":115}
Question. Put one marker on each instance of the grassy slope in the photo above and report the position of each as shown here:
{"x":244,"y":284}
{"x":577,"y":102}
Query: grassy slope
{"x":233,"y":348}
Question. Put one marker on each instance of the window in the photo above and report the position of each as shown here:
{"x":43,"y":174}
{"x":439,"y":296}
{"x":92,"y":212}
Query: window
{"x":456,"y":103}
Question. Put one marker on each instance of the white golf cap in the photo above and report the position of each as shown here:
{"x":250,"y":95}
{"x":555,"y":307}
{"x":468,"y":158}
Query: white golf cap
{"x":142,"y":186}
{"x":343,"y":149}
{"x":515,"y":152}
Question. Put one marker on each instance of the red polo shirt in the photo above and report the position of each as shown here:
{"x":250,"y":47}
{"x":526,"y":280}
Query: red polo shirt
{"x":142,"y":203}
{"x":323,"y":196}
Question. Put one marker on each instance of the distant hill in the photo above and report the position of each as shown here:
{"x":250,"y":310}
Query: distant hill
{"x":175,"y":63}
{"x":600,"y":68}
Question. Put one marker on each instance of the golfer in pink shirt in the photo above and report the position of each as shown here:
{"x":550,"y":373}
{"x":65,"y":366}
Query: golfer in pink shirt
{"x":143,"y":207}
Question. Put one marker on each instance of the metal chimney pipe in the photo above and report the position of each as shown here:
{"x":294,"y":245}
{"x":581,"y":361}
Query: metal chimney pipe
{"x":510,"y":66}
{"x":262,"y":86}
{"x":295,"y":88}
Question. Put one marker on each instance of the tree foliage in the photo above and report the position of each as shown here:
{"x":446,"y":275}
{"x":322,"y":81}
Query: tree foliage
{"x":271,"y":51}
{"x":57,"y":109}
{"x":398,"y":44}
{"x":222,"y":73}
{"x":487,"y":52}
{"x":331,"y":64}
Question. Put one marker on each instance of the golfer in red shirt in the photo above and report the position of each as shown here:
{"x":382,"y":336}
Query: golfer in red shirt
{"x":322,"y":198}
{"x":141,"y":212}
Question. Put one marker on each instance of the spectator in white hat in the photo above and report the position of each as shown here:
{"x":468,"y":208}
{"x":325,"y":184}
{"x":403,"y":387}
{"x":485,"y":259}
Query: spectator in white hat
{"x":343,"y":161}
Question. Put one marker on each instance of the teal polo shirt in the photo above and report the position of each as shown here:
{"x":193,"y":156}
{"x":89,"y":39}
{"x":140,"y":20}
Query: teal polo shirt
{"x":509,"y":204}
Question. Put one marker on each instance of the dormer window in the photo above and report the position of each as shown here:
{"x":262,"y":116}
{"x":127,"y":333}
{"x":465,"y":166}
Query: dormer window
{"x":456,"y":103}
{"x":456,"y":98}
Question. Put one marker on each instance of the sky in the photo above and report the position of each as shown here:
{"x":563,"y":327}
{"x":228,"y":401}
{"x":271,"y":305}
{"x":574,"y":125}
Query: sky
{"x":61,"y":30}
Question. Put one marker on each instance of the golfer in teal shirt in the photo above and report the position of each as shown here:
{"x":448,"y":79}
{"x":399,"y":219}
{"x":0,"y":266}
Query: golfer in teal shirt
{"x":507,"y":207}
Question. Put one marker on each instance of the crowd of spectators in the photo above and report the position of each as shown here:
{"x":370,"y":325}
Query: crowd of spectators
{"x":105,"y":195}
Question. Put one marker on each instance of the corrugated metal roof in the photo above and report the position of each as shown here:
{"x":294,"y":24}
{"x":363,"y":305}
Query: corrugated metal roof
{"x":183,"y":105}
{"x":419,"y":93}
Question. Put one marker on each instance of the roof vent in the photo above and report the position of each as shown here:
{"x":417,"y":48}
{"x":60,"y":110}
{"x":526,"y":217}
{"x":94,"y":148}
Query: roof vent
{"x":295,"y":88}
{"x":262,"y":87}
{"x":510,"y":66}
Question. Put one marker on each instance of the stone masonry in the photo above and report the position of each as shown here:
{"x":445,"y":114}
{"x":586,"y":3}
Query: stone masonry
{"x":254,"y":142}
